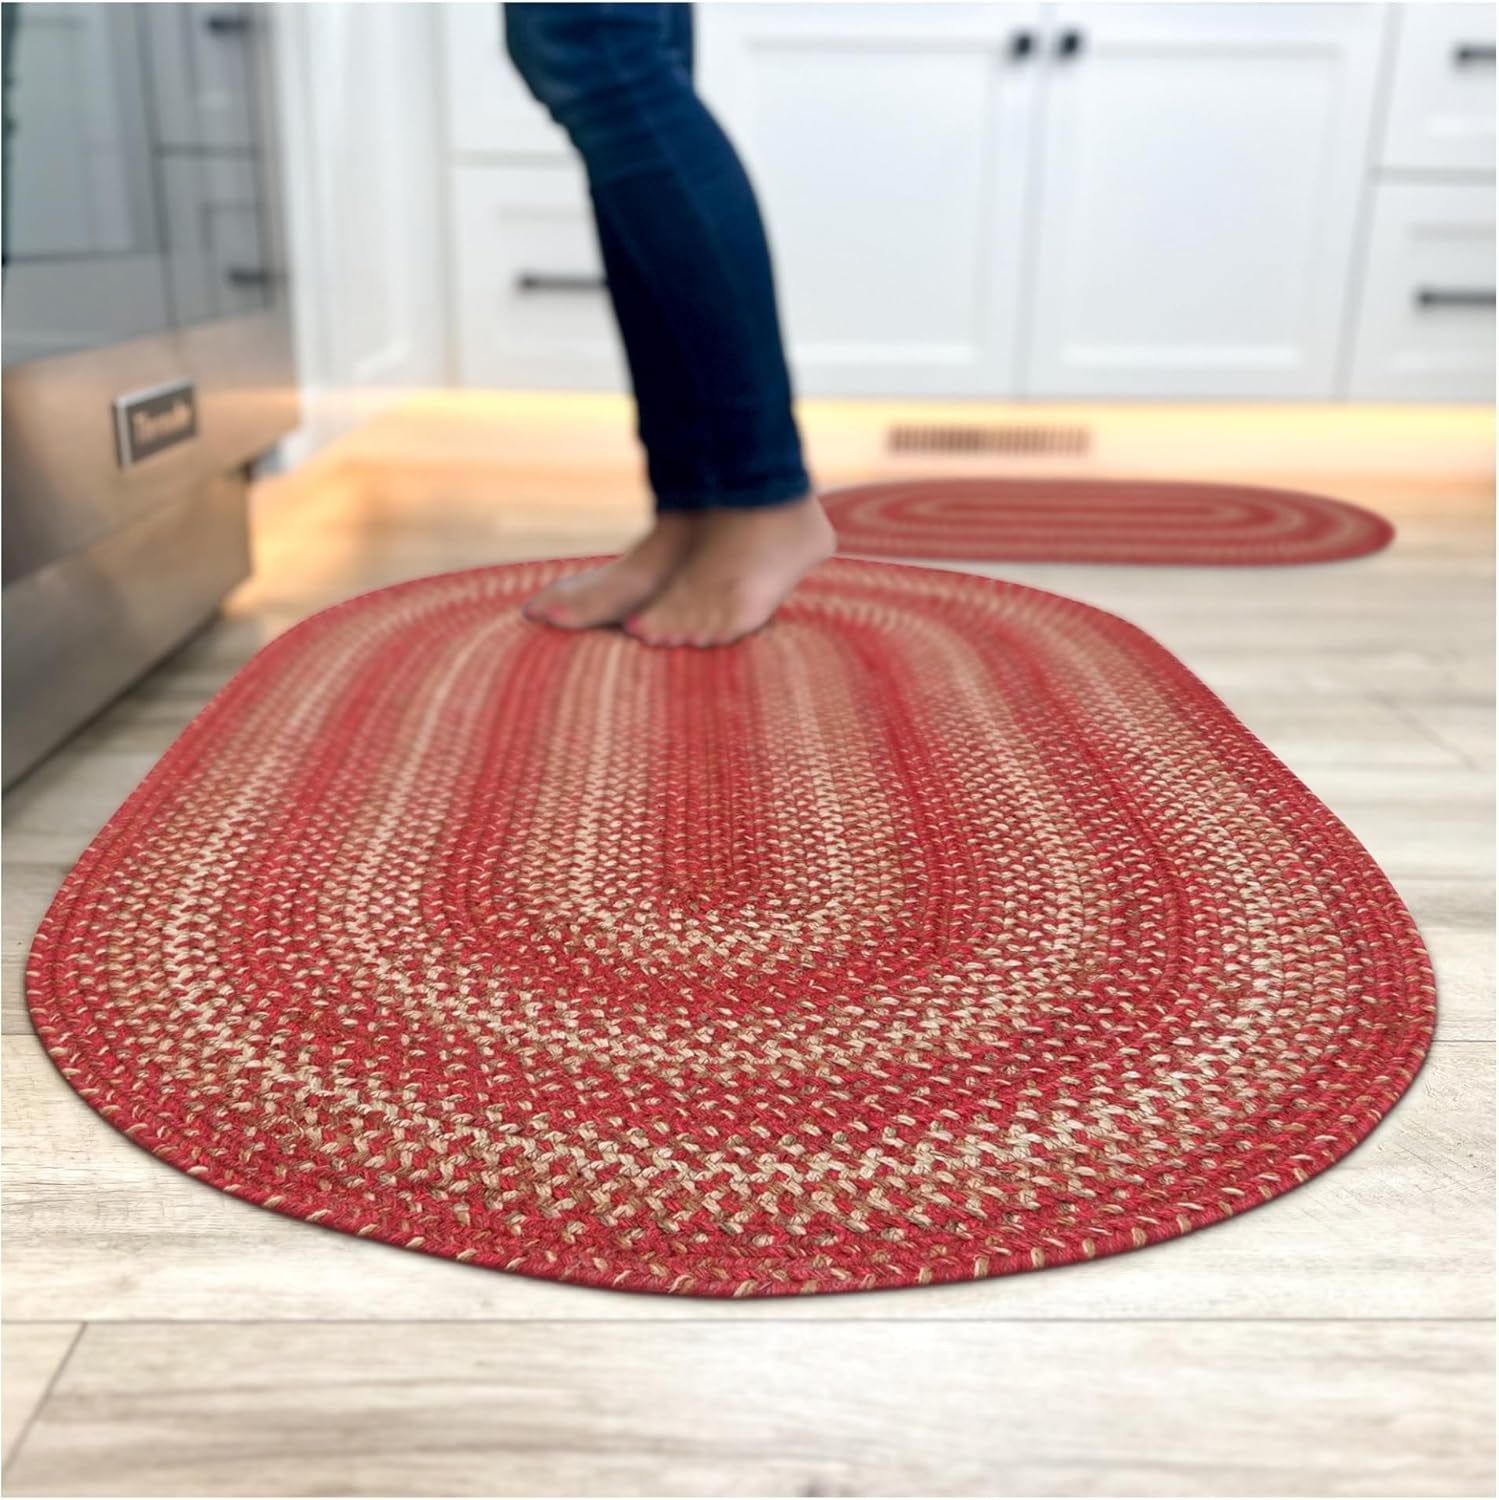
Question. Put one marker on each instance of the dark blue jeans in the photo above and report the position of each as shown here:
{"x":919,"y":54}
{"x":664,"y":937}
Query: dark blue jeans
{"x":683,"y":247}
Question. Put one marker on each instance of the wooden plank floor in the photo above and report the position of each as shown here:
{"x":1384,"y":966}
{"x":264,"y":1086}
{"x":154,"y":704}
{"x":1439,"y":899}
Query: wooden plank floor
{"x":163,"y":1338}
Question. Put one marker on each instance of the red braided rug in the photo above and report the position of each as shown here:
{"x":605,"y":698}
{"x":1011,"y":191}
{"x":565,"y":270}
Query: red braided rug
{"x":945,"y":929}
{"x":1100,"y":521}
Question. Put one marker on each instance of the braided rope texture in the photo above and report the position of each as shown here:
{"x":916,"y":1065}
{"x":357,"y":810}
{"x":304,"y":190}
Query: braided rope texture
{"x":944,"y":929}
{"x":1101,"y":521}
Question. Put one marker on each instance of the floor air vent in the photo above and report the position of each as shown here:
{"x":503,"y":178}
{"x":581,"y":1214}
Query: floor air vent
{"x":1037,"y":439}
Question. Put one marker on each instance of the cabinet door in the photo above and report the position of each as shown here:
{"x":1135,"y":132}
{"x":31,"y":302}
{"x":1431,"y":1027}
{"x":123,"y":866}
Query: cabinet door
{"x":1441,"y":115}
{"x":1200,"y":181}
{"x":489,"y":108}
{"x":889,"y":147}
{"x":529,"y":297}
{"x":1426,"y":324}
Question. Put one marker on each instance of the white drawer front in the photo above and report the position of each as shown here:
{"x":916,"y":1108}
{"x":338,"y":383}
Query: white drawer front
{"x":529,"y":300}
{"x":489,"y":107}
{"x":1441,"y":112}
{"x":1426,"y":325}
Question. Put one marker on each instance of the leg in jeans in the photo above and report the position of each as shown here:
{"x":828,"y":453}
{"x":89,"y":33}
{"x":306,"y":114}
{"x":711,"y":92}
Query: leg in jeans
{"x":661,"y":365}
{"x":690,"y":278}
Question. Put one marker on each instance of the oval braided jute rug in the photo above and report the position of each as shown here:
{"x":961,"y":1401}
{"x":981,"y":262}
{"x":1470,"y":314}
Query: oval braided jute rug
{"x":1143,"y":522}
{"x":944,"y":929}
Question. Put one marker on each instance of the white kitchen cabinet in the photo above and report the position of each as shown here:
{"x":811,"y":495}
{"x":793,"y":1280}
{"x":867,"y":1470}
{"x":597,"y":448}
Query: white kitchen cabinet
{"x":1110,"y":200}
{"x":362,"y":166}
{"x":890,"y":145}
{"x":529,"y":297}
{"x":1426,"y":321}
{"x":530,"y":307}
{"x":1441,"y":109}
{"x":1201,"y":172}
{"x":489,"y":108}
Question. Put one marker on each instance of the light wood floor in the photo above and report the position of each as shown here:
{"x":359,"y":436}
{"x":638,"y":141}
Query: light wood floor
{"x":163,"y":1338}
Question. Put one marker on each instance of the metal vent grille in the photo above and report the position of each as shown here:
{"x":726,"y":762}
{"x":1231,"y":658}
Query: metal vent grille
{"x":1029,"y":441}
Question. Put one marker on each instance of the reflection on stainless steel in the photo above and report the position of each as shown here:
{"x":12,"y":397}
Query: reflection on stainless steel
{"x":136,"y":191}
{"x":144,"y":248}
{"x":79,"y":627}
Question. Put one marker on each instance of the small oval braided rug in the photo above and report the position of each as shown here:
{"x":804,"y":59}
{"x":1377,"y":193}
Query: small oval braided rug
{"x":944,"y":929}
{"x":1101,"y":521}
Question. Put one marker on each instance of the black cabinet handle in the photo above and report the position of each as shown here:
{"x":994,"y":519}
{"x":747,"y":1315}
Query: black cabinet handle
{"x":223,"y":23}
{"x":1455,"y":296}
{"x":248,"y":276}
{"x":1473,"y":55}
{"x":1069,"y":43}
{"x":1022,"y":45}
{"x":557,"y":281}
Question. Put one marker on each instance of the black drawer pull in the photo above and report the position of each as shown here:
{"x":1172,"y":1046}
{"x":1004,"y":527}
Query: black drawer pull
{"x":248,"y":276}
{"x":1455,"y":296}
{"x":1473,"y":55}
{"x":1022,"y":44}
{"x":1069,"y":43}
{"x":558,"y":281}
{"x":225,"y":24}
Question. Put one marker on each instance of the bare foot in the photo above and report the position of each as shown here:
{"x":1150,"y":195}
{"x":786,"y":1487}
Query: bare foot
{"x":606,"y":595}
{"x":742,"y":565}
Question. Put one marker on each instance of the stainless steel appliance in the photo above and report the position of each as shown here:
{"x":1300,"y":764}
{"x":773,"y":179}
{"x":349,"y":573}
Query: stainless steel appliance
{"x":146,"y":342}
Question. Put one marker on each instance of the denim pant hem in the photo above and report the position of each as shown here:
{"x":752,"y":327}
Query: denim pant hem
{"x":778,"y":491}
